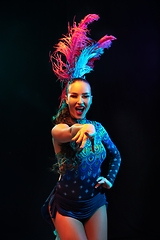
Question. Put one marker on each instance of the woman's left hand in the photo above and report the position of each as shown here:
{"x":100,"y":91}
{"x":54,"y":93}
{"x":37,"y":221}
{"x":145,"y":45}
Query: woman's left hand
{"x":104,"y":182}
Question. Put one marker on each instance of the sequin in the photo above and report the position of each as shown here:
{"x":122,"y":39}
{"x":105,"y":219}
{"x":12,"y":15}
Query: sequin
{"x":82,"y":178}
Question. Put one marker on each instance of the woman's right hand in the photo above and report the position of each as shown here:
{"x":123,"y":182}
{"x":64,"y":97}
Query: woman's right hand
{"x":87,"y":131}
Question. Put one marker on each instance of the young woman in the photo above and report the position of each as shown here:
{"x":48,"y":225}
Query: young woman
{"x":77,"y":205}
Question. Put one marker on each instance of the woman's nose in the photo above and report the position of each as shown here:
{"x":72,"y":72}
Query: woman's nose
{"x":80,"y":100}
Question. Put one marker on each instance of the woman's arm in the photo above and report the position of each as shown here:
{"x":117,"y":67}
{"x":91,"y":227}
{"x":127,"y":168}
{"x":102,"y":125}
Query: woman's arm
{"x":113,"y":155}
{"x":62,"y":133}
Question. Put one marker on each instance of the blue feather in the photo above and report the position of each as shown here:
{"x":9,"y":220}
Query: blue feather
{"x":81,"y":67}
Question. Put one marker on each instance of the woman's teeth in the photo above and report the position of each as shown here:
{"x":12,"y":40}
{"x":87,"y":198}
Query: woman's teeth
{"x":79,"y":110}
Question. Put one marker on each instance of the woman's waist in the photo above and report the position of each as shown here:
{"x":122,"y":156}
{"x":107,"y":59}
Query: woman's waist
{"x":77,"y":190}
{"x":77,"y":196}
{"x":81,"y":182}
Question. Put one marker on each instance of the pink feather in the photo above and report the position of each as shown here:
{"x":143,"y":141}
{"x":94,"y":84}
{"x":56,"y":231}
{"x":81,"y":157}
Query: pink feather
{"x":105,"y":42}
{"x":87,"y":20}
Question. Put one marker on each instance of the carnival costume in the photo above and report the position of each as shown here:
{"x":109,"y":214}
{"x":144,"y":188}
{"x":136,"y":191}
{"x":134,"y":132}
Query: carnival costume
{"x":75,"y":194}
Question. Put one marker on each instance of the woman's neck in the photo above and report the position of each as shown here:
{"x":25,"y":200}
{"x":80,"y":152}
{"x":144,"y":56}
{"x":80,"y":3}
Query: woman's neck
{"x":75,"y":120}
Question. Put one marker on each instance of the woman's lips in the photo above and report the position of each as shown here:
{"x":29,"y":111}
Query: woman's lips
{"x":79,"y":110}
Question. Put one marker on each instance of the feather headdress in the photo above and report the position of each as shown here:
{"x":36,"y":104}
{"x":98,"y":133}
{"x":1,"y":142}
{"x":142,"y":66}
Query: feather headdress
{"x":79,"y":50}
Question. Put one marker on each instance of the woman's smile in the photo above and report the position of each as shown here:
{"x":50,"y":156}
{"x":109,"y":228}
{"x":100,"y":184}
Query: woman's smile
{"x":80,"y":109}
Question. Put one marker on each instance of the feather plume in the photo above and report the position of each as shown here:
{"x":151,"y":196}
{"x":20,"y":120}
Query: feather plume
{"x":79,"y":50}
{"x":71,"y":46}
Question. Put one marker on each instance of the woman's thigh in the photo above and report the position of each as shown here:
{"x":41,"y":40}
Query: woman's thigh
{"x":96,"y":226}
{"x":69,"y":228}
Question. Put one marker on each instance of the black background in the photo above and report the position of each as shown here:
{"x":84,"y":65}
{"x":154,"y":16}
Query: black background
{"x":125,"y":85}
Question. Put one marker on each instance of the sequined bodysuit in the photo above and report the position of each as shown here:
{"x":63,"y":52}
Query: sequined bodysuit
{"x":75,"y":194}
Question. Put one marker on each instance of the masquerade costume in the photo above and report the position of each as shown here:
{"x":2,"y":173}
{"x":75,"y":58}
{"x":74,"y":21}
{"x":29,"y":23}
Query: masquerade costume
{"x":75,"y":194}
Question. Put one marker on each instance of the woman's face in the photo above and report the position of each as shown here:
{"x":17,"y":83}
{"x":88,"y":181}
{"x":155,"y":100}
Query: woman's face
{"x":79,"y":99}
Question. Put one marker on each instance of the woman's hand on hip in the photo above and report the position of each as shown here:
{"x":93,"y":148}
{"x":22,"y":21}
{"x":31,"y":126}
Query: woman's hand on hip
{"x":104,"y":182}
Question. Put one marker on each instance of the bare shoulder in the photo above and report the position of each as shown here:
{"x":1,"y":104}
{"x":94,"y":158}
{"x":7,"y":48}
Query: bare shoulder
{"x":58,"y":128}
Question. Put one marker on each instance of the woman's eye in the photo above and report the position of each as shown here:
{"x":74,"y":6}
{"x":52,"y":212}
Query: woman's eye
{"x":86,"y":96}
{"x":73,"y":96}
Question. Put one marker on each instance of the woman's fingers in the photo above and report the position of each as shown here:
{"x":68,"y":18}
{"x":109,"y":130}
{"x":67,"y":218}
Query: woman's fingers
{"x":76,"y":136}
{"x":83,"y":134}
{"x":99,"y":183}
{"x":92,"y":142}
{"x":99,"y":179}
{"x":79,"y":136}
{"x":104,"y":182}
{"x":83,"y":141}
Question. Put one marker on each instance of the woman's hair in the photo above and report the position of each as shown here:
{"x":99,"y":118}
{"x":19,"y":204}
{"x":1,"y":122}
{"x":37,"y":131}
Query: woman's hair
{"x":69,"y":161}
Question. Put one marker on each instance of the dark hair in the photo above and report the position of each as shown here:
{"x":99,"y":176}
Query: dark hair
{"x":69,"y":160}
{"x":63,"y":115}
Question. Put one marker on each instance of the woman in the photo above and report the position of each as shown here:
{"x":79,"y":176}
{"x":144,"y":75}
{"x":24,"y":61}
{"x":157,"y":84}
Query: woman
{"x":77,"y":205}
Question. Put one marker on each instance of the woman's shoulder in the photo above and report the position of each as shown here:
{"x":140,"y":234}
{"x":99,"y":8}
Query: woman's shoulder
{"x":58,"y":127}
{"x":61,"y":125}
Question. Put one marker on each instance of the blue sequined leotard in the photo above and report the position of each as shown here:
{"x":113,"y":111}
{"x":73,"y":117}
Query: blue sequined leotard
{"x":75,"y":194}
